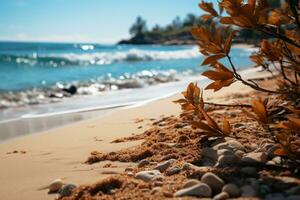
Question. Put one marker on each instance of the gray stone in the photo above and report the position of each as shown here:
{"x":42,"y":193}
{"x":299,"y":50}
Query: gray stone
{"x":209,"y":153}
{"x":251,"y":171}
{"x":173,"y":170}
{"x":215,"y":182}
{"x":221,"y":196}
{"x":230,"y":145}
{"x":143,"y":163}
{"x":199,"y":190}
{"x":66,"y":190}
{"x":190,"y":183}
{"x":147,"y":175}
{"x":239,"y":153}
{"x":164,"y":165}
{"x":248,"y":191}
{"x":232,"y":190}
{"x":55,"y":185}
{"x":158,"y":178}
{"x":227,"y":160}
{"x":254,"y":158}
{"x":223,"y":152}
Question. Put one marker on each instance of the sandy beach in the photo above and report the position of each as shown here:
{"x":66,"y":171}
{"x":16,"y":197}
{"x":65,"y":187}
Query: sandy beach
{"x":61,"y":152}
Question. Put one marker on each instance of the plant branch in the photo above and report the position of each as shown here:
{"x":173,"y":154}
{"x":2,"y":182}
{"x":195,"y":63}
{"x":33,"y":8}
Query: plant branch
{"x":228,"y":105}
{"x":251,"y":84}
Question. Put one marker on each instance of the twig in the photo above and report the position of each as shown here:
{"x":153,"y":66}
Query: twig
{"x":228,"y":105}
{"x":251,"y":84}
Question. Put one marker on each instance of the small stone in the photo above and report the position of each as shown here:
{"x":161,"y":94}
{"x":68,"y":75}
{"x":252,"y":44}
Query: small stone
{"x":130,"y":174}
{"x":147,"y":175}
{"x":145,"y":190}
{"x":254,"y":158}
{"x":190,"y":183}
{"x":156,"y":190}
{"x":187,"y":166}
{"x":209,"y":153}
{"x":230,"y":145}
{"x":199,"y":190}
{"x":143,"y":163}
{"x":277,"y":160}
{"x":164,"y":165}
{"x":232,"y":190}
{"x":55,"y":185}
{"x":66,"y":190}
{"x":223,"y":152}
{"x":158,"y":183}
{"x":248,"y":191}
{"x":173,"y":170}
{"x":239,"y":153}
{"x":215,"y":182}
{"x":221,"y":196}
{"x":251,"y":171}
{"x":227,"y":160}
{"x":128,"y":169}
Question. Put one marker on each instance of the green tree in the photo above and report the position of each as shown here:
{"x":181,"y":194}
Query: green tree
{"x":139,"y":27}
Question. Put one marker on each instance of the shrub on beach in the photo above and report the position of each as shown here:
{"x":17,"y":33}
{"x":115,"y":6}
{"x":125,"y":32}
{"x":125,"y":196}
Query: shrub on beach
{"x":279,"y":55}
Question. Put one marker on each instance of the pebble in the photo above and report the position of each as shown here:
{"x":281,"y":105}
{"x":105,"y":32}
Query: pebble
{"x":232,"y":190}
{"x":158,"y":178}
{"x":209,"y":153}
{"x":130,"y":174}
{"x":248,"y":191}
{"x":221,"y":196}
{"x":158,"y":183}
{"x":156,"y":190}
{"x":173,"y":170}
{"x":143,"y":163}
{"x":239,"y":153}
{"x":215,"y":182}
{"x":277,"y":160}
{"x":230,"y":145}
{"x":128,"y":169}
{"x":227,"y":160}
{"x":251,"y":171}
{"x":254,"y":158}
{"x":223,"y":152}
{"x":199,"y":190}
{"x":147,"y":175}
{"x":164,"y":165}
{"x":66,"y":190}
{"x":190,"y":183}
{"x":55,"y":185}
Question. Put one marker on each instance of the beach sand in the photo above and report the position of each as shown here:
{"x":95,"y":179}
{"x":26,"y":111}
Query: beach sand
{"x":61,"y":152}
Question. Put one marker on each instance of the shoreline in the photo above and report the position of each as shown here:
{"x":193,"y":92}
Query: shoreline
{"x":29,"y":124}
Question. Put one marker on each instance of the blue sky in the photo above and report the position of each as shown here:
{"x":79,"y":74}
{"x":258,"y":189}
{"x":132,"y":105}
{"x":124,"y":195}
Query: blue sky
{"x":102,"y":21}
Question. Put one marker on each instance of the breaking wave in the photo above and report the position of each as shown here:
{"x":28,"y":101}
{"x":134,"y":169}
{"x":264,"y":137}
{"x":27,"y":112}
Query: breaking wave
{"x":99,"y":58}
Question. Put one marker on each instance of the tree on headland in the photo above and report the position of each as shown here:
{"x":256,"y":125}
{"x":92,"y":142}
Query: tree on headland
{"x":139,"y":27}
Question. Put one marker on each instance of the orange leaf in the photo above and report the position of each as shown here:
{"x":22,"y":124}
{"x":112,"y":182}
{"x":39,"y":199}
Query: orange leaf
{"x":226,"y":20}
{"x":212,"y":59}
{"x":226,"y":129}
{"x":260,"y":110}
{"x":281,"y":152}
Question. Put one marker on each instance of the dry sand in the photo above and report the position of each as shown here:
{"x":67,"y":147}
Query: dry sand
{"x":60,"y":153}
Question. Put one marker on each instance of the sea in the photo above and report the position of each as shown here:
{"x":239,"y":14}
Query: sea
{"x":46,"y":79}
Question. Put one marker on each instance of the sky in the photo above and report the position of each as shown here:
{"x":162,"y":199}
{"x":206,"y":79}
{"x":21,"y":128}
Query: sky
{"x":100,"y":21}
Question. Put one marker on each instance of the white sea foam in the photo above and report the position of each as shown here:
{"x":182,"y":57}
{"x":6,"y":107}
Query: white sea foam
{"x":130,"y":55}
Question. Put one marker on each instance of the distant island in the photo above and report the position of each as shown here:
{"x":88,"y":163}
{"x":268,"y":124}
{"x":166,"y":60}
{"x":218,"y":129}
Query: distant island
{"x":177,"y":32}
